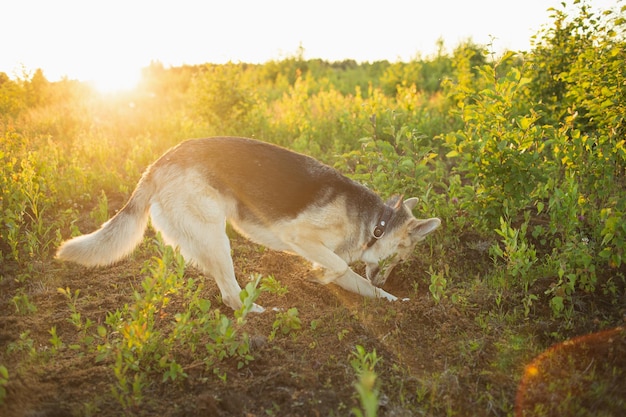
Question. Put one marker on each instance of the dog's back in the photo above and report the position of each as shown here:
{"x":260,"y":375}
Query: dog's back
{"x":265,"y":180}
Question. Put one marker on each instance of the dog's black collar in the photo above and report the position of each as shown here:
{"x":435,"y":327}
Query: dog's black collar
{"x":381,"y":225}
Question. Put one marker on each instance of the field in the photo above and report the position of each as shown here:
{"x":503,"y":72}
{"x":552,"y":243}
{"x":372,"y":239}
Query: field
{"x":516,"y":304}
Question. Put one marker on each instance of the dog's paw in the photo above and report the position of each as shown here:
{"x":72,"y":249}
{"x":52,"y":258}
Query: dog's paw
{"x":257,"y":309}
{"x":385,"y":295}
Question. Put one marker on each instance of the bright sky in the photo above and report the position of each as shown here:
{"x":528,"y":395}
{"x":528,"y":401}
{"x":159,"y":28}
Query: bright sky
{"x":109,"y":41}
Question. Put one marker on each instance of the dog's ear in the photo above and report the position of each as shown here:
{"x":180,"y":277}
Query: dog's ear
{"x":419,"y":228}
{"x":395,"y":202}
{"x":411,"y":202}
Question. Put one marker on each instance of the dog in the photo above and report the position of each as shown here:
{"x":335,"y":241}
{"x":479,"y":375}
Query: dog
{"x":278,"y":198}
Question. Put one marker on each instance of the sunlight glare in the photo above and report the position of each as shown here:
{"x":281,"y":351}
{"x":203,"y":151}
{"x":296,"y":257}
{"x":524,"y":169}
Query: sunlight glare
{"x":115,"y":80}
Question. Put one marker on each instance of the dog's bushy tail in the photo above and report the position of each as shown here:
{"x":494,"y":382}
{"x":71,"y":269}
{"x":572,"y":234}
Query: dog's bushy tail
{"x":117,"y":237}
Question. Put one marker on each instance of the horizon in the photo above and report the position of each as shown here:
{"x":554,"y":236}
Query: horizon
{"x":108,"y":44}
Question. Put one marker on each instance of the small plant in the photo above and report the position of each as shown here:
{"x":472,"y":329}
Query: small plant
{"x":342,"y":334}
{"x":438,"y":283}
{"x":286,"y":322}
{"x":384,"y":264}
{"x":148,"y":345}
{"x":4,"y":381}
{"x":23,"y":306}
{"x":25,"y":344}
{"x":100,"y":213}
{"x":367,"y":386}
{"x":26,"y":194}
{"x":248,"y":296}
{"x":273,"y":286}
{"x":173,"y":371}
{"x":528,"y":301}
{"x":128,"y":393}
{"x":520,"y":256}
{"x":561,"y":294}
{"x":55,"y":340}
{"x":81,"y":325}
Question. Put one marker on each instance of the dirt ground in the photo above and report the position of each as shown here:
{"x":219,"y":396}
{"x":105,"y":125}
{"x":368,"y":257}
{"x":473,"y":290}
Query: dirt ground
{"x":437,"y":358}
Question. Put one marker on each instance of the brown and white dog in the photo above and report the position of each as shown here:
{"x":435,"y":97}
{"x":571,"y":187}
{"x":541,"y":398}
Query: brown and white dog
{"x":278,"y":198}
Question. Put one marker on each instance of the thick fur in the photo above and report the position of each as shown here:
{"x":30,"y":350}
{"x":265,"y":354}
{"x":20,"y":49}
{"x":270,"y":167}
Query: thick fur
{"x":276,"y":197}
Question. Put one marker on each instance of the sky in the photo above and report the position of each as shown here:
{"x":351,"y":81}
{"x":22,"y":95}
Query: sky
{"x":108,"y":42}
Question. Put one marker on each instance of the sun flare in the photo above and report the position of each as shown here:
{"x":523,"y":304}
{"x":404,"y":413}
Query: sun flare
{"x":115,"y":80}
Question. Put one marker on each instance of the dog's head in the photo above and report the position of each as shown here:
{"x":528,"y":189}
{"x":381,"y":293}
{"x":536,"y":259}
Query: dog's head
{"x":397,"y":241}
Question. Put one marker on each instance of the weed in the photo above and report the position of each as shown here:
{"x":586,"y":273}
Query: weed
{"x":24,"y":344}
{"x":438,"y":282}
{"x":367,"y":386}
{"x":100,"y":213}
{"x":286,"y":322}
{"x":4,"y":381}
{"x":273,"y":286}
{"x":23,"y":306}
{"x":55,"y":340}
{"x":342,"y":334}
{"x":146,"y":347}
{"x":519,"y":255}
{"x":82,"y":325}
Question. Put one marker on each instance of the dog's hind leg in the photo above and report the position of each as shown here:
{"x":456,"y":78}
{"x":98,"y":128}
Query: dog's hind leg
{"x":214,"y":259}
{"x":202,"y":241}
{"x":212,"y":256}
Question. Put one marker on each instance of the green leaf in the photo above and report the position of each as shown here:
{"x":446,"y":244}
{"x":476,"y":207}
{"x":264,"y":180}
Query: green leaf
{"x":407,"y":164}
{"x":540,"y":207}
{"x":523,"y":81}
{"x":557,"y":304}
{"x":102,"y":331}
{"x":606,"y":103}
{"x":525,"y":122}
{"x":607,"y":238}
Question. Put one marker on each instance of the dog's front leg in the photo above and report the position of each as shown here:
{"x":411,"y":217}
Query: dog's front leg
{"x":327,"y":265}
{"x":355,"y":283}
{"x":337,"y":270}
{"x":322,"y":275}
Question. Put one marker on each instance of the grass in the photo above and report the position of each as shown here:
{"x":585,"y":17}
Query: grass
{"x":516,"y":302}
